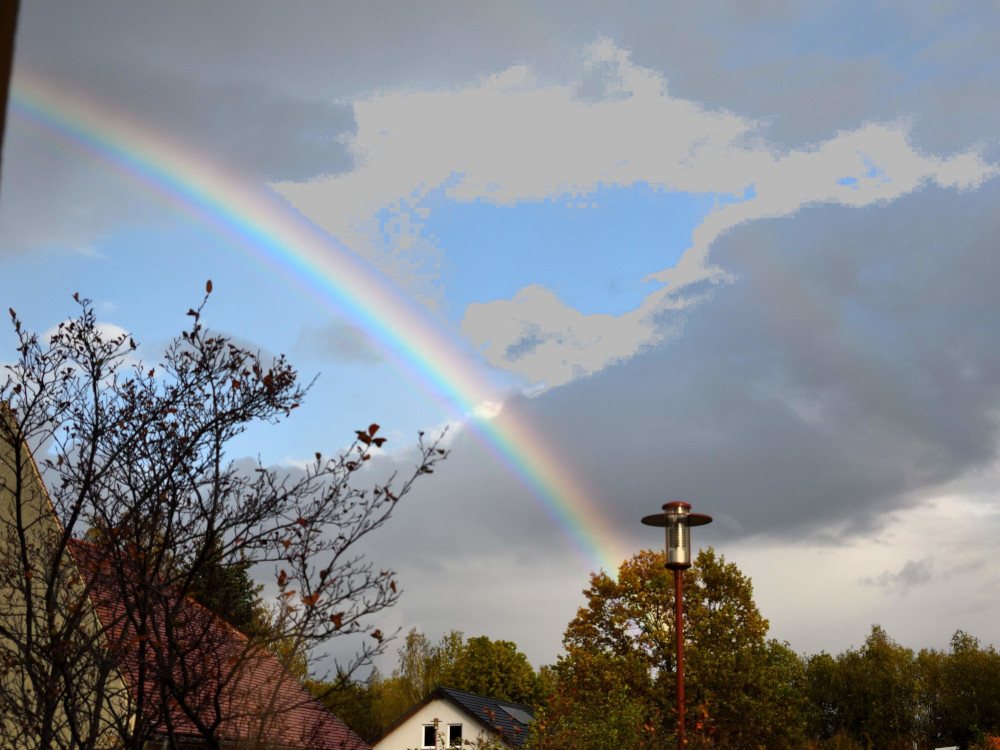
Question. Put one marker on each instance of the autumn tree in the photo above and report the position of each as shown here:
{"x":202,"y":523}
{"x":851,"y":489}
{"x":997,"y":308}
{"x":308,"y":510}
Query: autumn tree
{"x":135,"y":458}
{"x":744,"y":687}
{"x":740,"y":688}
{"x":972,"y":701}
{"x":603,"y":701}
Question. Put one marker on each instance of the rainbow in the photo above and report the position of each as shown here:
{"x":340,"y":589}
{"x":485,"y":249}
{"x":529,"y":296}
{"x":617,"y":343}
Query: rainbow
{"x":276,"y":235}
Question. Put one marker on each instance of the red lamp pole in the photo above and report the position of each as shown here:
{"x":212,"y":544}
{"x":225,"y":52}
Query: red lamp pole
{"x":678,"y":519}
{"x":679,"y":622}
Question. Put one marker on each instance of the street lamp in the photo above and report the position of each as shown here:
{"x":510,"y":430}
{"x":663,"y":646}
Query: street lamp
{"x":678,"y":520}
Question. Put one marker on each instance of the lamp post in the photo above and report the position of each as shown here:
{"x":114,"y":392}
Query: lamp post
{"x":678,"y":520}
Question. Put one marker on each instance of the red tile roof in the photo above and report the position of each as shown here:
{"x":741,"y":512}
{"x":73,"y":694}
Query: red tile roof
{"x":239,"y":688}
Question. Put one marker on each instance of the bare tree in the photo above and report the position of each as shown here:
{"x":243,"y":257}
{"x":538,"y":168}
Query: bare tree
{"x":99,"y":643}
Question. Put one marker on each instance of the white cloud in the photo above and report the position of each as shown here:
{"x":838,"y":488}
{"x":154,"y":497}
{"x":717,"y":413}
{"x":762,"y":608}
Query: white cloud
{"x":536,"y":334}
{"x":512,"y":138}
{"x":873,"y":164}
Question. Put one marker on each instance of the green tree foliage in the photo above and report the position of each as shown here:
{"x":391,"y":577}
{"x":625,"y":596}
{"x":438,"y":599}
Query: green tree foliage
{"x":493,"y":668}
{"x":882,"y":695}
{"x":931,"y":693}
{"x":354,"y":703}
{"x":741,"y":690}
{"x":878,"y":688}
{"x":823,"y":717}
{"x":972,"y":674}
{"x":782,"y":683}
{"x":613,"y":687}
{"x":477,"y":665}
{"x":226,"y":588}
{"x":961,"y":691}
{"x":870,"y":696}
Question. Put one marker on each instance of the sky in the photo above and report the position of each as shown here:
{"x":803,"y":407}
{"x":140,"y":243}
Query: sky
{"x":742,"y":256}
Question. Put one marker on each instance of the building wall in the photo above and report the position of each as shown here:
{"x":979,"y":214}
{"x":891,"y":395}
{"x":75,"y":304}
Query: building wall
{"x":29,"y":531}
{"x":409,"y":735}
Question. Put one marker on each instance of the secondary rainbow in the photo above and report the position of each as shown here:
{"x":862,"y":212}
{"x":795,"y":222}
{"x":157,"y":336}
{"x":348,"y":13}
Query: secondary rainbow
{"x":336,"y":278}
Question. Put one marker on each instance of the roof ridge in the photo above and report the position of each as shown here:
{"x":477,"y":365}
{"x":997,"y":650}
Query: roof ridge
{"x":499,"y":701}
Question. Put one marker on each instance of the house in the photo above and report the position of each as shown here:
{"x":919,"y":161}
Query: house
{"x":30,"y":536}
{"x":239,"y":690}
{"x":454,"y":717}
{"x":169,"y":663}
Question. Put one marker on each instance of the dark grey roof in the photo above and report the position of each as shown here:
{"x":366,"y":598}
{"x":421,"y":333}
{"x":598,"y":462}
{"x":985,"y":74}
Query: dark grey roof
{"x":503,"y":717}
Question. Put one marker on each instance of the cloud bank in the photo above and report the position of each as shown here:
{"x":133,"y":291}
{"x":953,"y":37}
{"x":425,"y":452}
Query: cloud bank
{"x":514,"y":138}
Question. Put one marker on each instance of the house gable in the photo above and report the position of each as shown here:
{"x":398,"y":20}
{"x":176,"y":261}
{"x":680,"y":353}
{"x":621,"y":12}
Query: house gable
{"x":33,"y":554}
{"x":481,"y":718}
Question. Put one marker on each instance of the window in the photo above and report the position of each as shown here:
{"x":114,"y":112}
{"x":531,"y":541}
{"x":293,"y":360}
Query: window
{"x":429,"y":738}
{"x":454,"y":734}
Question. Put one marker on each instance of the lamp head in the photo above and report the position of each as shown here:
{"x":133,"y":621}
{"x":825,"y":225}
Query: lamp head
{"x":678,"y":519}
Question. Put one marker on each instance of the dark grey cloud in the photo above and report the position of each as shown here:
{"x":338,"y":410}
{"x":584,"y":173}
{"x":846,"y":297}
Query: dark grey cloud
{"x":198,"y":73}
{"x":812,"y":69}
{"x":854,"y":363}
{"x":54,"y":198}
{"x":913,"y":573}
{"x":259,"y":132}
{"x":728,"y":54}
{"x":328,"y":50}
{"x":808,"y":69}
{"x":469,"y":508}
{"x":255,"y":84}
{"x":61,"y":198}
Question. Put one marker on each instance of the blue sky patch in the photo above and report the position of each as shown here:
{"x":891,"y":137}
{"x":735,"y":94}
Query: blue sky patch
{"x":592,"y":250}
